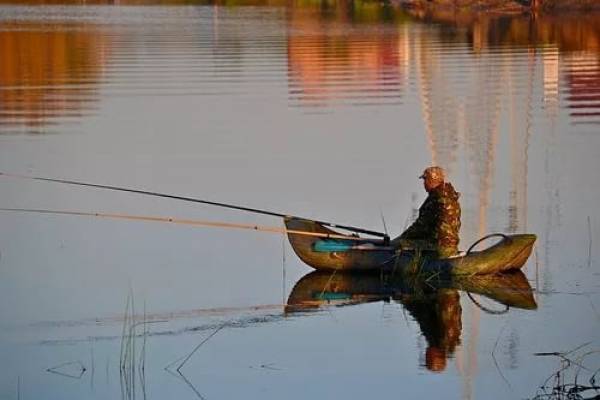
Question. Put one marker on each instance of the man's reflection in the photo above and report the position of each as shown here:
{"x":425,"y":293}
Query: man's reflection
{"x":434,"y":305}
{"x":439,"y":317}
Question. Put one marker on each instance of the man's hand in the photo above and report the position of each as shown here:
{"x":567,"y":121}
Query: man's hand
{"x":414,"y":244}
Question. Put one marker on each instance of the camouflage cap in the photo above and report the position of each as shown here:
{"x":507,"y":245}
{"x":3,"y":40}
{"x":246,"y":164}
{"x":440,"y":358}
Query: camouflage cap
{"x":434,"y":173}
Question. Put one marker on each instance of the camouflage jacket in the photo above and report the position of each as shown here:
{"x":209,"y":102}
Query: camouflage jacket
{"x":438,"y":223}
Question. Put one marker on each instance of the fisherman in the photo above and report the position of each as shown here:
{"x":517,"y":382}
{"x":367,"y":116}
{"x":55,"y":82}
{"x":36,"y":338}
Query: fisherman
{"x":436,"y":229}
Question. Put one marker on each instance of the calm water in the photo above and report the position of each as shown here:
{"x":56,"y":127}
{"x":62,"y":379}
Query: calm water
{"x":325,"y":111}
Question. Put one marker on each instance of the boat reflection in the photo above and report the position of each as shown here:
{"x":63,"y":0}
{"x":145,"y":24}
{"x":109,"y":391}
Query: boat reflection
{"x":434,"y":304}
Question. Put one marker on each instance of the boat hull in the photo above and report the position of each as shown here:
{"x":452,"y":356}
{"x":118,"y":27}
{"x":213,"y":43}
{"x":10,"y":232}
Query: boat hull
{"x":511,"y":253}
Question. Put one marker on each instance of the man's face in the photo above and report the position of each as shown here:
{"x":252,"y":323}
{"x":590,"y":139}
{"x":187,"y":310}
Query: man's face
{"x":431,"y":182}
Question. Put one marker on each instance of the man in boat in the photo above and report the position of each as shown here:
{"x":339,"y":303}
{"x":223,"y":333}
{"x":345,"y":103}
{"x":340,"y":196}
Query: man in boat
{"x":437,"y":226}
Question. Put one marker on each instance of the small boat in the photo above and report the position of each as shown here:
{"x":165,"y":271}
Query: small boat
{"x":331,"y":250}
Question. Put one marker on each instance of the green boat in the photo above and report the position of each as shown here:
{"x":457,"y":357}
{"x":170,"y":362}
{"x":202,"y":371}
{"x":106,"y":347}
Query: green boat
{"x":327,"y":249}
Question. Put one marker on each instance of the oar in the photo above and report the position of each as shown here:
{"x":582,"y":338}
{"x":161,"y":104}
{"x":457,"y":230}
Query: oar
{"x":192,"y":222}
{"x":194,"y":200}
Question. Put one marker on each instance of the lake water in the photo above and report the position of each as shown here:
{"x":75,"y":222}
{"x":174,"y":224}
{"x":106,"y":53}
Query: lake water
{"x":324,"y":110}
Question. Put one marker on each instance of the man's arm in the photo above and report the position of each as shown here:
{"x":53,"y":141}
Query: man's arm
{"x":420,"y":233}
{"x":417,"y":230}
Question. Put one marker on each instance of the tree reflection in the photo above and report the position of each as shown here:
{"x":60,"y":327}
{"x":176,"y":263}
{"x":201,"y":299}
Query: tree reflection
{"x":334,"y":58}
{"x":51,"y":72}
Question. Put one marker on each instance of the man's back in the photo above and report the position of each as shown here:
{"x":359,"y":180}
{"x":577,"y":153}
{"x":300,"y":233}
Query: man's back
{"x":438,"y":224}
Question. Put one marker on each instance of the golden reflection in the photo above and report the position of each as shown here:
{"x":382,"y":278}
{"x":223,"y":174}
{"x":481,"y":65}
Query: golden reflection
{"x":335,"y":56}
{"x":232,"y":3}
{"x":573,"y":32}
{"x":551,"y":57}
{"x":569,"y":45}
{"x":434,"y":305}
{"x":49,"y":72}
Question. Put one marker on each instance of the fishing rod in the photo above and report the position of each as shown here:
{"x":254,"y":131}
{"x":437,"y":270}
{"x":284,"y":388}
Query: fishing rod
{"x":192,"y":222}
{"x":195,"y":200}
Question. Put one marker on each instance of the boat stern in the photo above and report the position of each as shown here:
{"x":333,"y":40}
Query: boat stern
{"x":523,"y":245}
{"x":510,"y":253}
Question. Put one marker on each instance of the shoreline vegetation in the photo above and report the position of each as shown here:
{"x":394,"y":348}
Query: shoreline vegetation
{"x":493,"y":7}
{"x":502,"y":7}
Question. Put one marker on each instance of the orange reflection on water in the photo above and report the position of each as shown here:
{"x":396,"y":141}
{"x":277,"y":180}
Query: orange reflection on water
{"x":574,"y":39}
{"x":582,"y":72}
{"x":49,"y":72}
{"x":339,"y":61}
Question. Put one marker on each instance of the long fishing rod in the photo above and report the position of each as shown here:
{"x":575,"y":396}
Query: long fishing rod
{"x":195,"y":200}
{"x":192,"y":222}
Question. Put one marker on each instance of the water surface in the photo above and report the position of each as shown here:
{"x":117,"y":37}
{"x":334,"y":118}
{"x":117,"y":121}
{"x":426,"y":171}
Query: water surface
{"x":328,"y":111}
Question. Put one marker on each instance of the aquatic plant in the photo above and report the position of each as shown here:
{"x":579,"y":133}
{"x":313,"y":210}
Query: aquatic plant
{"x":569,"y":382}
